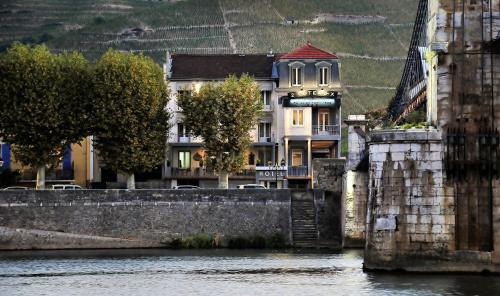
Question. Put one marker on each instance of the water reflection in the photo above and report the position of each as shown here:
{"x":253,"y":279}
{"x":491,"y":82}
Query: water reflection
{"x":217,"y":272}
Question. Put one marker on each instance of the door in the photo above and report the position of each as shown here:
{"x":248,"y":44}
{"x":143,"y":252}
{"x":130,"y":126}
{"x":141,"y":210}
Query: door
{"x":323,"y":121}
{"x":296,"y":157}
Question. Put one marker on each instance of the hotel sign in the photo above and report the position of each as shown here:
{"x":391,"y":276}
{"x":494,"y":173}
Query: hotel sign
{"x":312,"y":99}
{"x":314,"y":93}
{"x":269,"y":173}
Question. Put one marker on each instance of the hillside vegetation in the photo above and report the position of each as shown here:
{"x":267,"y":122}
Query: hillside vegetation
{"x":370,"y":36}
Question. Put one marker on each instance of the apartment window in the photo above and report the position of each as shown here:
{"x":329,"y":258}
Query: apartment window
{"x":266,"y":98}
{"x":184,"y":159}
{"x":298,"y":118}
{"x":182,"y":130}
{"x":296,"y":76}
{"x":265,"y":130}
{"x":265,"y":156}
{"x":183,"y":93}
{"x":323,"y":76}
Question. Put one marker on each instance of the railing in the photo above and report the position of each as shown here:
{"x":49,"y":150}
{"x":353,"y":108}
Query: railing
{"x":50,"y":175}
{"x":298,"y":171}
{"x":326,"y":130}
{"x":267,"y":108}
{"x":265,"y":139}
{"x":202,"y":172}
{"x":184,"y":138}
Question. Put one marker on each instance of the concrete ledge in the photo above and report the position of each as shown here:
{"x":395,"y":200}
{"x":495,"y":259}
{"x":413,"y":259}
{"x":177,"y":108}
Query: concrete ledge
{"x":31,"y":239}
{"x":458,"y":261}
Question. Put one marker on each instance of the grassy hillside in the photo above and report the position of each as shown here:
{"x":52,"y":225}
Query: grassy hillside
{"x":371,"y":42}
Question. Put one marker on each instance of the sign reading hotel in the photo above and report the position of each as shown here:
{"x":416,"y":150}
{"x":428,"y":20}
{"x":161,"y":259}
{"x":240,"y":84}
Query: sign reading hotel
{"x":312,"y":99}
{"x":271,"y":174}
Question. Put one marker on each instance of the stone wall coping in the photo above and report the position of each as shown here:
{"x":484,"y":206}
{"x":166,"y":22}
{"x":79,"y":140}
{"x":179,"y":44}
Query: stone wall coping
{"x":404,"y":135}
{"x":146,"y":195}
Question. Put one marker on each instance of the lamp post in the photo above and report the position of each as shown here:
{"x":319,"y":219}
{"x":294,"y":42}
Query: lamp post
{"x":276,"y":174}
{"x":276,"y":168}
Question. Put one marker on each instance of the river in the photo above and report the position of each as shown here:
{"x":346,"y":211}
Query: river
{"x":217,"y":272}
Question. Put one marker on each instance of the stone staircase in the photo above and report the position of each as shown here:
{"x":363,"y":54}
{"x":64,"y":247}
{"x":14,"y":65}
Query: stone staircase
{"x":304,"y":228}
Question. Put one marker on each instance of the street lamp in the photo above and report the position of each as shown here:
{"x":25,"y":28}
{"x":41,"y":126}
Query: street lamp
{"x":276,"y":168}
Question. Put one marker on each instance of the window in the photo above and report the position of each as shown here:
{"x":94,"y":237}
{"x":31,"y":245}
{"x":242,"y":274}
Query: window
{"x":184,"y":159}
{"x":323,"y":76}
{"x":266,"y":98}
{"x":296,"y":76}
{"x":182,"y":130}
{"x":265,"y":156}
{"x":251,"y":159}
{"x":182,"y":93}
{"x":264,"y":130}
{"x":298,"y":118}
{"x":296,"y":157}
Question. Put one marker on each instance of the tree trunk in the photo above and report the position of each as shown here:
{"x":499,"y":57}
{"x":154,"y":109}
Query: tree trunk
{"x":130,"y":181}
{"x":223,"y":180}
{"x":40,"y":178}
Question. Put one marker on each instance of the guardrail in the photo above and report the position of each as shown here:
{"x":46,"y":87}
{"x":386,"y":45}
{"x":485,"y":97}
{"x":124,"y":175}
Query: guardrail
{"x":298,"y":171}
{"x":327,"y":130}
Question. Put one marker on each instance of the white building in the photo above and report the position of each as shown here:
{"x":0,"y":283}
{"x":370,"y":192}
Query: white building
{"x":301,"y":92}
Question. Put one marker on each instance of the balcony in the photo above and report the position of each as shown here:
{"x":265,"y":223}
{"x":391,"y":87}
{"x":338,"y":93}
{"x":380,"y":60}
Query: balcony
{"x":203,"y":173}
{"x":184,"y":139}
{"x":53,"y":175}
{"x":267,"y":108}
{"x":298,"y":171}
{"x":326,"y":130}
{"x":265,"y":140}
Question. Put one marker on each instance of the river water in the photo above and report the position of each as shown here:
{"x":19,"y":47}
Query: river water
{"x":217,"y":272}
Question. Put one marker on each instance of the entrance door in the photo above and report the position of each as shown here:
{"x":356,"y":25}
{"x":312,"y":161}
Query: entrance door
{"x":323,"y":121}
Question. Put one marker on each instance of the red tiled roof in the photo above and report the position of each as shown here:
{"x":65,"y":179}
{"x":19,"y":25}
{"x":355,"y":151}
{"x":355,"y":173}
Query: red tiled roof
{"x":308,"y":52}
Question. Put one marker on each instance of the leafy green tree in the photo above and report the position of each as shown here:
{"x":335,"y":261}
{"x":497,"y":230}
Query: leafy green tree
{"x":223,"y":115}
{"x":44,"y":104}
{"x":132,"y":121}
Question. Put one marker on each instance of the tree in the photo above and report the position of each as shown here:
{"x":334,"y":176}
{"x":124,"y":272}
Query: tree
{"x":44,"y":104}
{"x":132,"y":121}
{"x":223,"y":115}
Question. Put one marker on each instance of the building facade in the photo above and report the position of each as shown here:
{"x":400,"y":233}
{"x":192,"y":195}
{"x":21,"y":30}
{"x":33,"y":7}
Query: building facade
{"x":301,"y":94}
{"x":76,"y":166}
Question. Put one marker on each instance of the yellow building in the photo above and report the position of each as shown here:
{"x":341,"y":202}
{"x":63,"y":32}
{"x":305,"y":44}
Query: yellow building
{"x":75,"y":167}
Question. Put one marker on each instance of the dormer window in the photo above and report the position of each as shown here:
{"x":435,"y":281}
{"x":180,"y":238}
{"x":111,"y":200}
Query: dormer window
{"x":296,"y":76}
{"x":323,"y":76}
{"x":296,"y":73}
{"x":323,"y":70}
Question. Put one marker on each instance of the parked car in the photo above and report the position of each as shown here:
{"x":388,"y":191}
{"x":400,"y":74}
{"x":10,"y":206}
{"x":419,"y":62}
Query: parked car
{"x":186,"y":187}
{"x":66,"y":187}
{"x":16,"y":188}
{"x":251,"y":186}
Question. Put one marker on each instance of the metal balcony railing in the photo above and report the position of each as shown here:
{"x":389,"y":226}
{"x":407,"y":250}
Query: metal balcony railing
{"x":326,"y":130}
{"x":202,"y":172}
{"x":298,"y":171}
{"x":49,"y":175}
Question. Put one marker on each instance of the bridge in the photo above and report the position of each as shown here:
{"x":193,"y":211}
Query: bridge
{"x":411,"y":92}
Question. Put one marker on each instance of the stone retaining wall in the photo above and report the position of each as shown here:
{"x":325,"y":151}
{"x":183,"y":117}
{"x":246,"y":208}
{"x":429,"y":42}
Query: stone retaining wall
{"x":144,"y":218}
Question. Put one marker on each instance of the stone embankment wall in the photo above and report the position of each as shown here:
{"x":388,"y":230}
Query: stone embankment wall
{"x":147,"y":218}
{"x":355,"y":199}
{"x":411,"y":210}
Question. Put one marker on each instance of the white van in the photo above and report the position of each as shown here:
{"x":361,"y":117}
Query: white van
{"x":66,"y":187}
